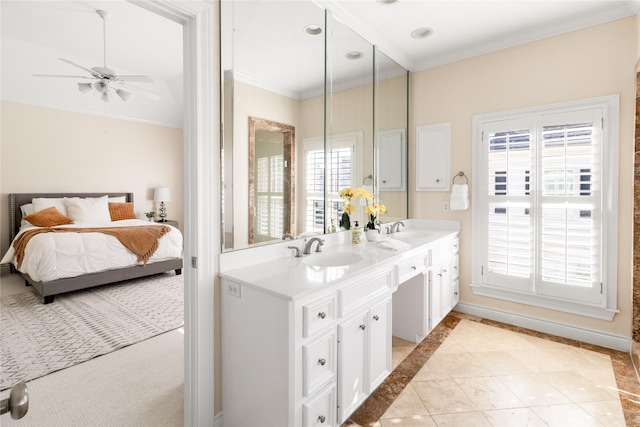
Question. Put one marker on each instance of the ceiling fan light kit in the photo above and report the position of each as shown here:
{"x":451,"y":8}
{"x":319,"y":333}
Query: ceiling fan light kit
{"x":106,"y":78}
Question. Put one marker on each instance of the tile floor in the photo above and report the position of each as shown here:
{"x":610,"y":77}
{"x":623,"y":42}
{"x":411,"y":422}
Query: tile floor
{"x":474,"y":372}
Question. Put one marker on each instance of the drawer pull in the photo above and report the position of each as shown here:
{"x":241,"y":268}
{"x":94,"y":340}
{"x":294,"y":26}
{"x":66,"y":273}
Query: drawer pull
{"x":362,"y":327}
{"x":322,"y":315}
{"x":322,"y":362}
{"x":455,"y":293}
{"x":444,"y":271}
{"x":322,"y":419}
{"x":376,"y":317}
{"x":455,"y":267}
{"x":413,"y":267}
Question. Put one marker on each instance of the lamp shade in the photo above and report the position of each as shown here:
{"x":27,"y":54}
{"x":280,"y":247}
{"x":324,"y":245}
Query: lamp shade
{"x":162,"y":194}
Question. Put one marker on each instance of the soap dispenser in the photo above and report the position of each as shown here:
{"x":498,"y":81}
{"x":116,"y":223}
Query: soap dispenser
{"x":356,"y":234}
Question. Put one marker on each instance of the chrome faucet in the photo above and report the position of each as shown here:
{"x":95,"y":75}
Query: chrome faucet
{"x":395,"y":227}
{"x":297,"y":249}
{"x":307,"y":247}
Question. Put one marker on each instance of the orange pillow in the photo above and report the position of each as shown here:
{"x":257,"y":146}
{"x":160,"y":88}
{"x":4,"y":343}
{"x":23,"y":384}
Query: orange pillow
{"x":120,"y":211}
{"x":49,"y":217}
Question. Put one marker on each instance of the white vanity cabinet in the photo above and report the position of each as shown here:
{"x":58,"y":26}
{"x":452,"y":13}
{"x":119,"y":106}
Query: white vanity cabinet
{"x":309,"y":361}
{"x":364,"y":355}
{"x":443,"y":287}
{"x":427,"y":289}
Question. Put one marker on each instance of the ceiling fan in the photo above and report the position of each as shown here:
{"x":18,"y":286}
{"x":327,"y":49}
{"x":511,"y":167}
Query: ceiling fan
{"x":106,"y":79}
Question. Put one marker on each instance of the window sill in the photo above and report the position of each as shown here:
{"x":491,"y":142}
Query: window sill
{"x":602,"y":313}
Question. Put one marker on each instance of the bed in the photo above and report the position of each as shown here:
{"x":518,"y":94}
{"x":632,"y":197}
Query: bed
{"x":50,"y":280}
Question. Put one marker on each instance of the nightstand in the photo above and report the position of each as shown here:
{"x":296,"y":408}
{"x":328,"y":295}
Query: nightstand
{"x":169,"y":222}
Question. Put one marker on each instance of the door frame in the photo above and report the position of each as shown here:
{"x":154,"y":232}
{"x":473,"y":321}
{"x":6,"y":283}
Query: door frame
{"x":201,"y":145}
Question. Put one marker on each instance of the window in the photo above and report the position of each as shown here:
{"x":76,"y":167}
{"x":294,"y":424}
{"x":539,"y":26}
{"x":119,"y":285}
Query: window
{"x":546,"y":183}
{"x":343,"y":168}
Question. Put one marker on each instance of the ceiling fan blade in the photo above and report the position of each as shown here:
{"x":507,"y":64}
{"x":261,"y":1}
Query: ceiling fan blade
{"x":88,"y":70}
{"x":135,"y":78}
{"x":150,"y":95}
{"x":61,"y":75}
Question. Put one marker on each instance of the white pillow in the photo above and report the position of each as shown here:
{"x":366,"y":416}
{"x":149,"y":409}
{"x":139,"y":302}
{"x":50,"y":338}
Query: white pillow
{"x":92,"y":209}
{"x":44,"y":203}
{"x":26,"y":210}
{"x":118,"y":199}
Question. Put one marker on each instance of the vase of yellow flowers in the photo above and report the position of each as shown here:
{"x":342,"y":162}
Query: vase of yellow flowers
{"x":349,"y":195}
{"x":372,"y":229}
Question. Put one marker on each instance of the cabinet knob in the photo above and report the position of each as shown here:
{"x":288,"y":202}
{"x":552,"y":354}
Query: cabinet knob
{"x":437,"y":180}
{"x":322,"y":315}
{"x":444,"y":271}
{"x":322,"y":419}
{"x":413,"y":267}
{"x":362,"y":327}
{"x":376,"y":317}
{"x":455,"y":267}
{"x":455,"y":293}
{"x":322,"y":362}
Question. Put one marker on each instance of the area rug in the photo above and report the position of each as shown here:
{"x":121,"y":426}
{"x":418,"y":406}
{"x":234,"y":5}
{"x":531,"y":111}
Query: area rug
{"x":37,"y":339}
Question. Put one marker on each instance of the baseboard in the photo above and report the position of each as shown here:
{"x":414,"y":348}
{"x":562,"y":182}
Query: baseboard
{"x":602,"y":339}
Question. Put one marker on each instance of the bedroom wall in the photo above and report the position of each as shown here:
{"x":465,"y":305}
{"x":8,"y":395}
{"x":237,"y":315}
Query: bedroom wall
{"x":46,"y":150}
{"x":594,"y":62}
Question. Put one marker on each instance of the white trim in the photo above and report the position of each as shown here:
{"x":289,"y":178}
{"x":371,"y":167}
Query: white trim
{"x":603,"y":339}
{"x":201,"y":165}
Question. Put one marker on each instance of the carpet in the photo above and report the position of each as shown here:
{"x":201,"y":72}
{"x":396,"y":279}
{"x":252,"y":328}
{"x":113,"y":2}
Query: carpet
{"x":37,"y":339}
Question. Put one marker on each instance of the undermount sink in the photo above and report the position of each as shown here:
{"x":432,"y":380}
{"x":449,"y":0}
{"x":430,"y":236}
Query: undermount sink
{"x":411,"y":234}
{"x":332,"y":259}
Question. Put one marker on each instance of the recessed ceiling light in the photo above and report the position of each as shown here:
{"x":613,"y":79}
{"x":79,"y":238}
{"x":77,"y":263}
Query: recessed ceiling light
{"x":313,"y":30}
{"x":422,"y":33}
{"x":354,"y":55}
{"x":387,"y":1}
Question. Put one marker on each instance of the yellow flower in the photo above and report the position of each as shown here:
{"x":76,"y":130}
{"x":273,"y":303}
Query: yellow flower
{"x":346,"y":193}
{"x":349,"y":208}
{"x":371,"y":210}
{"x":381,"y":208}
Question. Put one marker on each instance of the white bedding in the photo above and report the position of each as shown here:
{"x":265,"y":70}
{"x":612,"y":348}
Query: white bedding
{"x":51,"y":256}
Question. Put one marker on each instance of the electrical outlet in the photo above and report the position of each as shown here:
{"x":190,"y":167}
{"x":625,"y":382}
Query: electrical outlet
{"x":233,"y":289}
{"x":445,"y":206}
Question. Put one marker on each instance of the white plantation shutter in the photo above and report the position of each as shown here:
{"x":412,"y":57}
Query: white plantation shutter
{"x":540,"y":206}
{"x":269,"y":198}
{"x":342,"y":161}
{"x":314,"y":154}
{"x":570,"y":237}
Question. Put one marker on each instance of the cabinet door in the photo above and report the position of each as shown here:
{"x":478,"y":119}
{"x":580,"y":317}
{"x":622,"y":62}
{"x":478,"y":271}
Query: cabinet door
{"x":435,"y":297}
{"x":379,"y":344}
{"x":433,"y":157}
{"x":352,"y":361}
{"x":392,"y":160}
{"x":447,"y":289}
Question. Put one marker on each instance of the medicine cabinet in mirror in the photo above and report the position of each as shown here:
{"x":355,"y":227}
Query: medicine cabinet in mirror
{"x":296,"y":127}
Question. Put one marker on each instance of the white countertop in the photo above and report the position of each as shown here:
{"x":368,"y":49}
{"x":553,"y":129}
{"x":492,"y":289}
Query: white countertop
{"x":291,"y":278}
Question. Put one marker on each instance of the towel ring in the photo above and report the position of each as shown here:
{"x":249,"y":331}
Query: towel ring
{"x":453,"y":181}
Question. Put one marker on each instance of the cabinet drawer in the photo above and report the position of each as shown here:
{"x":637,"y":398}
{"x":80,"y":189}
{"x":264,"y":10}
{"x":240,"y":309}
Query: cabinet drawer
{"x":358,"y":293}
{"x":317,"y":315}
{"x":318,"y":363}
{"x":320,"y":410}
{"x":409,"y":268}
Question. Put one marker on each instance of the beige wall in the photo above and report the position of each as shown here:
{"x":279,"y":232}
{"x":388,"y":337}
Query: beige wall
{"x":45,"y":150}
{"x":589,"y":63}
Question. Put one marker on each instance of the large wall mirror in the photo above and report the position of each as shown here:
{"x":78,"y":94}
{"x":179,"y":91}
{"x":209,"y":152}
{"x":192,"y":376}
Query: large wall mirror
{"x":287,"y":147}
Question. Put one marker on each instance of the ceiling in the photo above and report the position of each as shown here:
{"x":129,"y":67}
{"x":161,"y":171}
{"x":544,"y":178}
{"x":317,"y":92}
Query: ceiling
{"x":34,"y":34}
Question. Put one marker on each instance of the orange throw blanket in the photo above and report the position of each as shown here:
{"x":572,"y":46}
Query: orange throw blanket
{"x":141,"y":240}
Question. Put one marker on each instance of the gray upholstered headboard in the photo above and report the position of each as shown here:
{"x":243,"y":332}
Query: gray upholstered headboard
{"x":18,"y":199}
